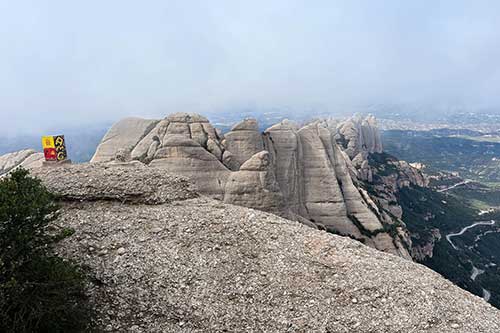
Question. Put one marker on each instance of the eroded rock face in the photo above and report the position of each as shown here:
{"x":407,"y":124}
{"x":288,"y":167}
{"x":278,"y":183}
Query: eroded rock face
{"x":27,"y":159}
{"x":188,"y":145}
{"x":283,"y":138}
{"x":328,"y":174}
{"x":316,"y":179}
{"x":125,"y":134}
{"x":385,"y":175}
{"x":322,"y":199}
{"x":426,"y":250}
{"x":255,"y":185}
{"x":359,"y":135}
{"x":244,"y":140}
{"x":184,"y":156}
{"x":301,"y":173}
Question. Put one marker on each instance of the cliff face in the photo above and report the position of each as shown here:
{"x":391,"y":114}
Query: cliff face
{"x":311,"y":174}
{"x":360,"y":135}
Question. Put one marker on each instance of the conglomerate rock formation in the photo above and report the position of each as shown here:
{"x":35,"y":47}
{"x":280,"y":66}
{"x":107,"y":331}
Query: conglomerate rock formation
{"x":361,"y":135}
{"x":310,"y":174}
{"x":27,"y":158}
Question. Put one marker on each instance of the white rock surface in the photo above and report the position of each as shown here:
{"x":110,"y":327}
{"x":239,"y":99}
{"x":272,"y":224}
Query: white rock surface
{"x":254,"y":185}
{"x":182,"y":156}
{"x":244,"y":140}
{"x":27,"y":158}
{"x":360,"y":135}
{"x":125,"y":134}
{"x":307,"y":176}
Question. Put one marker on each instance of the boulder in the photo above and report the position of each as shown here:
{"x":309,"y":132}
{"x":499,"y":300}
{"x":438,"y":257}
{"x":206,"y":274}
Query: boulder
{"x":198,"y":133}
{"x":211,"y":131}
{"x":215,"y":148}
{"x":258,"y":162}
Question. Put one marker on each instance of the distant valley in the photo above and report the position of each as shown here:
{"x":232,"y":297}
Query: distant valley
{"x":462,"y":218}
{"x":472,"y":154}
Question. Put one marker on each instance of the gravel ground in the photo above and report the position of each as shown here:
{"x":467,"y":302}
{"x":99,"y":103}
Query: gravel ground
{"x":202,"y":266}
{"x":163,"y":259}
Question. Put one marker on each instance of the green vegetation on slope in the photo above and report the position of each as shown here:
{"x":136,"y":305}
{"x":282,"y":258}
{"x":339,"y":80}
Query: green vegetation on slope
{"x":429,"y":215}
{"x":39,"y":291}
{"x":425,"y":210}
{"x":479,"y":195}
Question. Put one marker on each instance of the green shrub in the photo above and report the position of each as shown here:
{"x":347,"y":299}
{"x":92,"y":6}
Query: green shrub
{"x":39,"y":292}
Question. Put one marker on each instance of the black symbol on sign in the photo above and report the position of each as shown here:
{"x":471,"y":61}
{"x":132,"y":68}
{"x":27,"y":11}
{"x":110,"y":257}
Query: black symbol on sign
{"x":60,"y":147}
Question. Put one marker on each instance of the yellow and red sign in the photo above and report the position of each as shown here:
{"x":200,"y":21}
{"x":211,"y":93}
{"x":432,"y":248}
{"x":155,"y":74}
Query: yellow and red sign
{"x":54,"y":148}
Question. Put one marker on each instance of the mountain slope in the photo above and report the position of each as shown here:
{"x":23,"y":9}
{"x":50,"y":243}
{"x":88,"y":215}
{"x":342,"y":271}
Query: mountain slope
{"x":198,"y":265}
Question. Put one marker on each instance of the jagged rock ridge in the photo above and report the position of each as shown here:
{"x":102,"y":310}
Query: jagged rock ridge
{"x":308,"y":174}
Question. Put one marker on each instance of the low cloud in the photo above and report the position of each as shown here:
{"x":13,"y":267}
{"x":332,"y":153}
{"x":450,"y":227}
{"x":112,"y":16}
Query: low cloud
{"x":94,"y":61}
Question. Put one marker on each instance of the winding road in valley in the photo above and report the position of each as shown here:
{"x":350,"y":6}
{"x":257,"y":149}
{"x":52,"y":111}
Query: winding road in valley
{"x":456,"y":185}
{"x":475,"y":271}
{"x":449,"y":236}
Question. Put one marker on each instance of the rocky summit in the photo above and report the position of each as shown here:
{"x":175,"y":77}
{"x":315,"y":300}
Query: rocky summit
{"x":162,"y":258}
{"x":167,"y":250}
{"x":312,"y":174}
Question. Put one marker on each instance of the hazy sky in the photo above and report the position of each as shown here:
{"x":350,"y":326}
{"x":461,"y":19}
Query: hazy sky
{"x":89,"y":61}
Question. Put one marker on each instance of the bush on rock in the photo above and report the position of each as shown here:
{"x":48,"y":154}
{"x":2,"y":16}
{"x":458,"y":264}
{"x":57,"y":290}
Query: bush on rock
{"x":39,"y":291}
